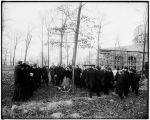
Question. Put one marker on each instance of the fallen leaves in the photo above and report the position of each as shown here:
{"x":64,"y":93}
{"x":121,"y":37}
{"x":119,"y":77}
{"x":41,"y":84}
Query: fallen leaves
{"x":47,"y":102}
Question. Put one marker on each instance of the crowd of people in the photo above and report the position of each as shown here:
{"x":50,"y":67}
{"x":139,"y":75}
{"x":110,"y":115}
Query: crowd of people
{"x":28,"y":78}
{"x":99,"y":80}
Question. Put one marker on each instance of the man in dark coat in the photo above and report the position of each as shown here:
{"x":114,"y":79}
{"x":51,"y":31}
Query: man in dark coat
{"x":37,"y":76}
{"x":83,"y":78}
{"x":77,"y":76}
{"x":105,"y":82}
{"x":57,"y":75}
{"x":115,"y":80}
{"x":100,"y":81}
{"x":131,"y":80}
{"x":91,"y":79}
{"x":52,"y":74}
{"x":126,"y":81}
{"x":136,"y":79}
{"x":45,"y":75}
{"x":119,"y":83}
{"x":62,"y":73}
{"x":110,"y":77}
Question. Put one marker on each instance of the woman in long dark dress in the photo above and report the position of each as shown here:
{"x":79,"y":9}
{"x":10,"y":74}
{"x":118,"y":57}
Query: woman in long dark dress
{"x":18,"y":75}
{"x":23,"y":84}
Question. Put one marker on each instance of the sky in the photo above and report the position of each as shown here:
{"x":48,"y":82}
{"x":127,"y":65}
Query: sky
{"x":119,"y":18}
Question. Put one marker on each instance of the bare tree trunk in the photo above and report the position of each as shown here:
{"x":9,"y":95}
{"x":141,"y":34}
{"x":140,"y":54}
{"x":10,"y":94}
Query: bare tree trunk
{"x":98,"y":45}
{"x":89,"y":57}
{"x":28,"y":40}
{"x":61,"y":48}
{"x":16,"y":43}
{"x":5,"y":57}
{"x":48,"y":48}
{"x":67,"y":55}
{"x":76,"y":35}
{"x":10,"y":59}
{"x":14,"y":55}
{"x":25,"y":55}
{"x":76,"y":42}
{"x":144,"y":52}
{"x":67,"y":48}
{"x":42,"y":45}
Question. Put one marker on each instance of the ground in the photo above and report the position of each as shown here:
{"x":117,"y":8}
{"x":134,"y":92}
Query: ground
{"x":48,"y":102}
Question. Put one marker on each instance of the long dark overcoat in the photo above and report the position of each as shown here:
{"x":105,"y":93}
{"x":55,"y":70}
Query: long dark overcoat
{"x":91,"y":78}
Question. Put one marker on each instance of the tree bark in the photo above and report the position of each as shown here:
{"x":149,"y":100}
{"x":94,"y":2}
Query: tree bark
{"x":98,"y":45}
{"x":16,"y":43}
{"x":25,"y":55}
{"x":144,"y":52}
{"x":67,"y":55}
{"x":76,"y":42}
{"x":48,"y":48}
{"x":61,"y":48}
{"x":14,"y":55}
{"x":42,"y":45}
{"x":28,"y":40}
{"x":5,"y":57}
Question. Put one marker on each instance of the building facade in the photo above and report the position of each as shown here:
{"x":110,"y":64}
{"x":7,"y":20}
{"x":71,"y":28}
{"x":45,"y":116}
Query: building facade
{"x":117,"y":59}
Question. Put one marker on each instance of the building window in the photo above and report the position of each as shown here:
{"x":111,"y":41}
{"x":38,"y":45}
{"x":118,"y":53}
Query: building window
{"x":132,"y":62}
{"x":118,"y":62}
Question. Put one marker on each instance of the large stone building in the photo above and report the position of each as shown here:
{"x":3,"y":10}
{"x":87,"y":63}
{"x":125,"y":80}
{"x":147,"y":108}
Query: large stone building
{"x":130,"y":56}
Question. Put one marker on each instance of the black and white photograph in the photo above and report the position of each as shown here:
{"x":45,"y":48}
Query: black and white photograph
{"x":74,"y":59}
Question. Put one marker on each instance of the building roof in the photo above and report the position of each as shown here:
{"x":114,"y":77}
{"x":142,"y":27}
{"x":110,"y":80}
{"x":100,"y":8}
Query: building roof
{"x":131,"y":48}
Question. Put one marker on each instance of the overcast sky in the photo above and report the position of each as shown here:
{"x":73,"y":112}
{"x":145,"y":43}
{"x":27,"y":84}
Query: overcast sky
{"x":121,"y":19}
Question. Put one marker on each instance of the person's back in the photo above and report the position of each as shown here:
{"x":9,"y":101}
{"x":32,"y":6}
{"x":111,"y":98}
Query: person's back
{"x":77,"y":77}
{"x":111,"y":79}
{"x":119,"y":84}
{"x":126,"y":82}
{"x":136,"y":79}
{"x":91,"y":77}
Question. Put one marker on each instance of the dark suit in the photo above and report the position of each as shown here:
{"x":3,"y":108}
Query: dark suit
{"x":126,"y":82}
{"x":37,"y":76}
{"x":131,"y":80}
{"x":77,"y":78}
{"x":45,"y":75}
{"x":91,"y":80}
{"x":83,"y":79}
{"x":52,"y":75}
{"x":62,"y":74}
{"x":111,"y":79}
{"x":120,"y":84}
{"x":99,"y":81}
{"x":136,"y":79}
{"x":57,"y":73}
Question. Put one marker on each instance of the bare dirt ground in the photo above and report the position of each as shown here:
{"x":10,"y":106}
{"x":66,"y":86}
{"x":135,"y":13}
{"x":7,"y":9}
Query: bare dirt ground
{"x":48,"y":102}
